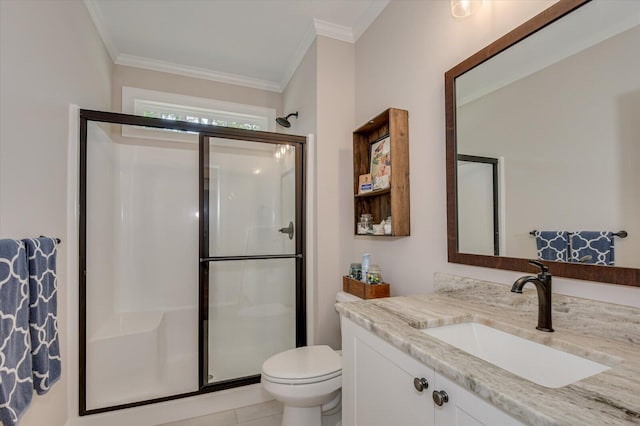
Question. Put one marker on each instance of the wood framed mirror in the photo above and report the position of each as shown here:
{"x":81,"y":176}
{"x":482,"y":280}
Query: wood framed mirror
{"x":557,"y":91}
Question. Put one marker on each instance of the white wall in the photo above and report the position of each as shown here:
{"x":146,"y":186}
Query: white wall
{"x":172,"y":83}
{"x":322,"y":89}
{"x":51,"y":56}
{"x":400,"y":62}
{"x":336,"y":97}
{"x":301,"y":95}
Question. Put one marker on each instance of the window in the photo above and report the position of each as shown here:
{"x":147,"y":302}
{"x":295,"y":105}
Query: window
{"x":171,"y":106}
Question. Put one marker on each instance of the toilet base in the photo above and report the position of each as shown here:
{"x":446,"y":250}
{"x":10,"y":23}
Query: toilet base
{"x":297,"y":416}
{"x":333,"y":406}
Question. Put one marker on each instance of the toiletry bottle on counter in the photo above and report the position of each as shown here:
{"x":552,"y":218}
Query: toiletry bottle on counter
{"x":365,"y":266}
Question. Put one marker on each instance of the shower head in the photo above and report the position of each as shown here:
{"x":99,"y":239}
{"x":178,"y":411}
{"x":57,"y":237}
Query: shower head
{"x":284,"y":121}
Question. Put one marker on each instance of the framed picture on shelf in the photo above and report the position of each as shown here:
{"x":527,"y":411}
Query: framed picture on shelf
{"x":380,"y":167}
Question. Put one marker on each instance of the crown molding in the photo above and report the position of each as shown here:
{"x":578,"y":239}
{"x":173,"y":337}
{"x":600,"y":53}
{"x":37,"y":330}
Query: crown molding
{"x":338,"y":32}
{"x":103,"y":30}
{"x":195,"y":72}
{"x":368,"y":17}
{"x":329,"y":29}
{"x":298,"y":55}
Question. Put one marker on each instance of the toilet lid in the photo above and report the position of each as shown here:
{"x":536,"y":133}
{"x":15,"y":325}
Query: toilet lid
{"x":305,"y":363}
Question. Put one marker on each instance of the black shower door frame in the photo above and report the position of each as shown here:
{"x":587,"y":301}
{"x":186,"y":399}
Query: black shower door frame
{"x":205,"y":132}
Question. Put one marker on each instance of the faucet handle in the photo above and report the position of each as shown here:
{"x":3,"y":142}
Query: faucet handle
{"x":543,"y":268}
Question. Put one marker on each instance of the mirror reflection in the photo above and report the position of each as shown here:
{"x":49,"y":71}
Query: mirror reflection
{"x":548,"y":143}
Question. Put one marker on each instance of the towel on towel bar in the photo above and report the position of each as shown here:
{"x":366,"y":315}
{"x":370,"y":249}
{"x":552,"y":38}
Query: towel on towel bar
{"x":43,"y":307}
{"x":595,"y":247}
{"x":16,"y":384}
{"x":552,"y":245}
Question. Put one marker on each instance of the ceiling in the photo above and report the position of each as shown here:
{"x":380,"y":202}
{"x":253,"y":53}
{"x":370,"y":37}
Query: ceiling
{"x":254,"y":43}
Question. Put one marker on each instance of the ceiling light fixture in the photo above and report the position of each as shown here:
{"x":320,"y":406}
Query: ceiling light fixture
{"x":464,"y":8}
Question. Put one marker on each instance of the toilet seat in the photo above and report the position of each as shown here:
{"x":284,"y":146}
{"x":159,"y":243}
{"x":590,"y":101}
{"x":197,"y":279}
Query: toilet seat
{"x":303,"y":381}
{"x":304,"y":365}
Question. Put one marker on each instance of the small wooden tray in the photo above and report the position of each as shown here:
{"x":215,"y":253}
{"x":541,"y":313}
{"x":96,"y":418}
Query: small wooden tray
{"x":365,"y":291}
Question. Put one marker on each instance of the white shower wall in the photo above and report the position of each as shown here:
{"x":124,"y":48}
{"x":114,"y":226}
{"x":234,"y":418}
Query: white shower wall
{"x":156,"y":229}
{"x":142,"y":227}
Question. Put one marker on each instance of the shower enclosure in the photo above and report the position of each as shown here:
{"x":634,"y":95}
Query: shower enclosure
{"x":191,"y":257}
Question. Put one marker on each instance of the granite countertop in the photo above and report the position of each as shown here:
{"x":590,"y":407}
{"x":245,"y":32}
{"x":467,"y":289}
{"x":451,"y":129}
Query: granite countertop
{"x":602,"y":332}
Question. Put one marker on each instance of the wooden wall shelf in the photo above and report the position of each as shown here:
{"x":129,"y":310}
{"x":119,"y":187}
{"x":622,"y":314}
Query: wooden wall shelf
{"x":393,"y":201}
{"x":374,"y":193}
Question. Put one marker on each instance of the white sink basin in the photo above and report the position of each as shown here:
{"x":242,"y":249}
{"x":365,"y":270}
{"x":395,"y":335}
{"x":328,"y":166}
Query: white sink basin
{"x":538,"y":363}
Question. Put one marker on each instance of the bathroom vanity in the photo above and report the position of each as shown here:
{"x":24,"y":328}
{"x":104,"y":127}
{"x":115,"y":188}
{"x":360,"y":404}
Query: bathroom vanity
{"x":384,"y":386}
{"x":396,"y":373}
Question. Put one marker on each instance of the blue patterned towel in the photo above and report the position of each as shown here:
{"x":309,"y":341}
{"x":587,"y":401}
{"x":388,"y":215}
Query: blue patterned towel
{"x":43,"y":319}
{"x":16,"y":384}
{"x":553,"y":245}
{"x":597,"y":244}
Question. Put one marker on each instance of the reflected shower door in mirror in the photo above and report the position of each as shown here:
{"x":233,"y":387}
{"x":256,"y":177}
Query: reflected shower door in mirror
{"x":558,"y":104}
{"x":478,"y":218}
{"x":254,"y":254}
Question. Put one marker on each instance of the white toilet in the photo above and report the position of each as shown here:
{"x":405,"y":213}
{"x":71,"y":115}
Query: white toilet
{"x":307,"y":380}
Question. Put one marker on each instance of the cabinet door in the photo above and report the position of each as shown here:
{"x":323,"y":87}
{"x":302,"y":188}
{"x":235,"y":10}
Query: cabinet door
{"x":378,"y":383}
{"x":463,"y":408}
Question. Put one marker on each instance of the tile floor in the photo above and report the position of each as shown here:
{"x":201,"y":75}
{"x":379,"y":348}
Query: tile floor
{"x":265,"y":414}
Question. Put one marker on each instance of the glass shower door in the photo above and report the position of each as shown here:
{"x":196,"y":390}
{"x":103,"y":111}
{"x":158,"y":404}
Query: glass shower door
{"x":251,"y":255}
{"x":191,"y":257}
{"x":141,"y":271}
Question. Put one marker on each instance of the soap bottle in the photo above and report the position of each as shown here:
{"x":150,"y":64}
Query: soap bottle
{"x":365,"y":266}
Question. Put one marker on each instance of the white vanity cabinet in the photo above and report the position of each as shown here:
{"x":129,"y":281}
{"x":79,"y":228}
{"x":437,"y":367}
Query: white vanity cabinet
{"x":380,"y":387}
{"x":463,"y":408}
{"x":378,"y":382}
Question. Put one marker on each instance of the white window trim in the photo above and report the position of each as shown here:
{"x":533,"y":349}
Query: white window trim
{"x":132,"y":96}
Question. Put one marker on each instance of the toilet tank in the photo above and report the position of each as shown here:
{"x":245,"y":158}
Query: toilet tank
{"x":341,"y":297}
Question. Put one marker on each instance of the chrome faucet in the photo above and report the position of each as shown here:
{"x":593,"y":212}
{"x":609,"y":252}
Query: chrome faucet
{"x":543,"y":285}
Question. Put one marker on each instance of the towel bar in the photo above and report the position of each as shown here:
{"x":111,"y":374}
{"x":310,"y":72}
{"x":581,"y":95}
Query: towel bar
{"x":621,"y":234}
{"x":58,"y":240}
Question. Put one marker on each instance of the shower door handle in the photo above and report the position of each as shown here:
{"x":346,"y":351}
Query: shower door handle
{"x":288,"y":230}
